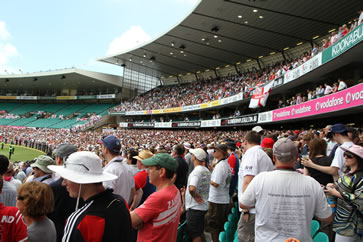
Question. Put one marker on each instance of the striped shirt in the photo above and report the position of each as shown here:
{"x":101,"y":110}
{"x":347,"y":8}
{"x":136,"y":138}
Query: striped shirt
{"x":348,"y":219}
{"x":8,"y":194}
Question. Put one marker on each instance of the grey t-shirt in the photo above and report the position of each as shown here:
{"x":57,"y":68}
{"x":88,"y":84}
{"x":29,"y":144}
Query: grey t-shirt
{"x":42,"y":231}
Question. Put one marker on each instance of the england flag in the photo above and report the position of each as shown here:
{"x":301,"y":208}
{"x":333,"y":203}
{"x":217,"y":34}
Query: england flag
{"x":260,"y":95}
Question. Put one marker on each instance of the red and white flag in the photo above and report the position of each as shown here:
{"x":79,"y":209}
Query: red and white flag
{"x":260,"y":95}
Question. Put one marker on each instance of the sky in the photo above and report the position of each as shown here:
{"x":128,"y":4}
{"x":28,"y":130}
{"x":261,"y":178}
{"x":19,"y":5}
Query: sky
{"x":43,"y":35}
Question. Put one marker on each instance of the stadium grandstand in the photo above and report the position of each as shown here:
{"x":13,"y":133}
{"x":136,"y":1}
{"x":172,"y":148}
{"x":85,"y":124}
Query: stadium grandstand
{"x":60,"y":98}
{"x":210,"y":64}
{"x":237,"y":88}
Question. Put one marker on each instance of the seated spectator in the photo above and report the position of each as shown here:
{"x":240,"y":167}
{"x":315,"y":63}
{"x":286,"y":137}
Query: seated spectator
{"x":35,"y":200}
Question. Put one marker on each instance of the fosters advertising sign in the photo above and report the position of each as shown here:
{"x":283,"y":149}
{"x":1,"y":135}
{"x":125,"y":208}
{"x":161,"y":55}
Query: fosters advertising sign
{"x":351,"y":97}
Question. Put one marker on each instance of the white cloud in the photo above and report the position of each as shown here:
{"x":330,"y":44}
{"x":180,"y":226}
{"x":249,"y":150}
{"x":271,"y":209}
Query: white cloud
{"x":132,"y":38}
{"x":7,"y":50}
{"x":4,"y":34}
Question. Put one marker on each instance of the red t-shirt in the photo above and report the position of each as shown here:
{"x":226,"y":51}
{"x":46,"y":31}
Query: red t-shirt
{"x":12,"y":227}
{"x":140,"y":179}
{"x":232,"y":162}
{"x":160,"y":213}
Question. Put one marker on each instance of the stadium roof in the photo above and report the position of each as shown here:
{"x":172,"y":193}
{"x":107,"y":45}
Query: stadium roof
{"x":219,"y":33}
{"x":59,"y":79}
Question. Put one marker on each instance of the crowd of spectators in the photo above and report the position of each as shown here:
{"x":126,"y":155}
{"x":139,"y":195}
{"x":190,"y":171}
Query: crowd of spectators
{"x":205,"y":90}
{"x":211,"y":151}
{"x":319,"y":91}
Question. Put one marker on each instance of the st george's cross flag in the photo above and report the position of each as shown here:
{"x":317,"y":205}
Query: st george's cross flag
{"x":260,"y":95}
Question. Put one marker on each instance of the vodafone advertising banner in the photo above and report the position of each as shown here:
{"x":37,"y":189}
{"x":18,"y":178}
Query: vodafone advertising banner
{"x":348,"y":98}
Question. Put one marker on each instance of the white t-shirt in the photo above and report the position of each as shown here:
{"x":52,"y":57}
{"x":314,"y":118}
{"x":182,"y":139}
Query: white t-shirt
{"x":200,"y":178}
{"x":342,"y":86}
{"x":254,"y":161}
{"x":133,"y":169}
{"x":339,"y":160}
{"x":221,"y":175}
{"x":125,"y":181}
{"x":330,"y":146}
{"x":285,"y":202}
{"x":328,"y":90}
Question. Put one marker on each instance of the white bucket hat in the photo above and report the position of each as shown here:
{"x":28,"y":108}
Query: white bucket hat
{"x":83,"y":167}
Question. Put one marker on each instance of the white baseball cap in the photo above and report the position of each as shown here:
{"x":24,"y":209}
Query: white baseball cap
{"x":187,"y":145}
{"x":199,"y":154}
{"x":83,"y":167}
{"x":257,"y":129}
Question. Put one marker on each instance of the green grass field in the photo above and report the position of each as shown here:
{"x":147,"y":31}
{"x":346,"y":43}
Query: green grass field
{"x":21,"y":153}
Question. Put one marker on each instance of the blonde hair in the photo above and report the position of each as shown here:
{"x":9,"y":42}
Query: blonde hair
{"x":37,"y":197}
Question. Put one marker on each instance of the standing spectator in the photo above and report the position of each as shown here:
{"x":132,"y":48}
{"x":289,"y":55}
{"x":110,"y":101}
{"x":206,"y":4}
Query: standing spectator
{"x":131,"y":162}
{"x":188,"y":156}
{"x":339,"y":134}
{"x":124,"y":185}
{"x":254,"y":161}
{"x":334,"y":38}
{"x":348,"y":222}
{"x":35,"y":200}
{"x":353,"y":135}
{"x":285,"y":191}
{"x":157,"y":218}
{"x":360,"y":20}
{"x":260,"y":131}
{"x":182,"y":170}
{"x":64,"y":205}
{"x":14,"y":230}
{"x":142,"y":182}
{"x":342,"y":85}
{"x":306,"y":141}
{"x":41,"y":171}
{"x":218,"y":193}
{"x":196,"y":195}
{"x":318,"y":156}
{"x":335,"y":87}
{"x":328,"y":89}
{"x":298,"y":98}
{"x":331,"y":144}
{"x":8,"y":194}
{"x":105,"y":216}
{"x":234,"y":164}
{"x":8,"y":176}
{"x":321,"y":91}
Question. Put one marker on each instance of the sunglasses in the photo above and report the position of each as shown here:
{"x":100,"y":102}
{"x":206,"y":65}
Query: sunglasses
{"x":349,"y":156}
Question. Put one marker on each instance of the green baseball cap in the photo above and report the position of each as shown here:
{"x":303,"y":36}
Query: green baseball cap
{"x":162,"y":159}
